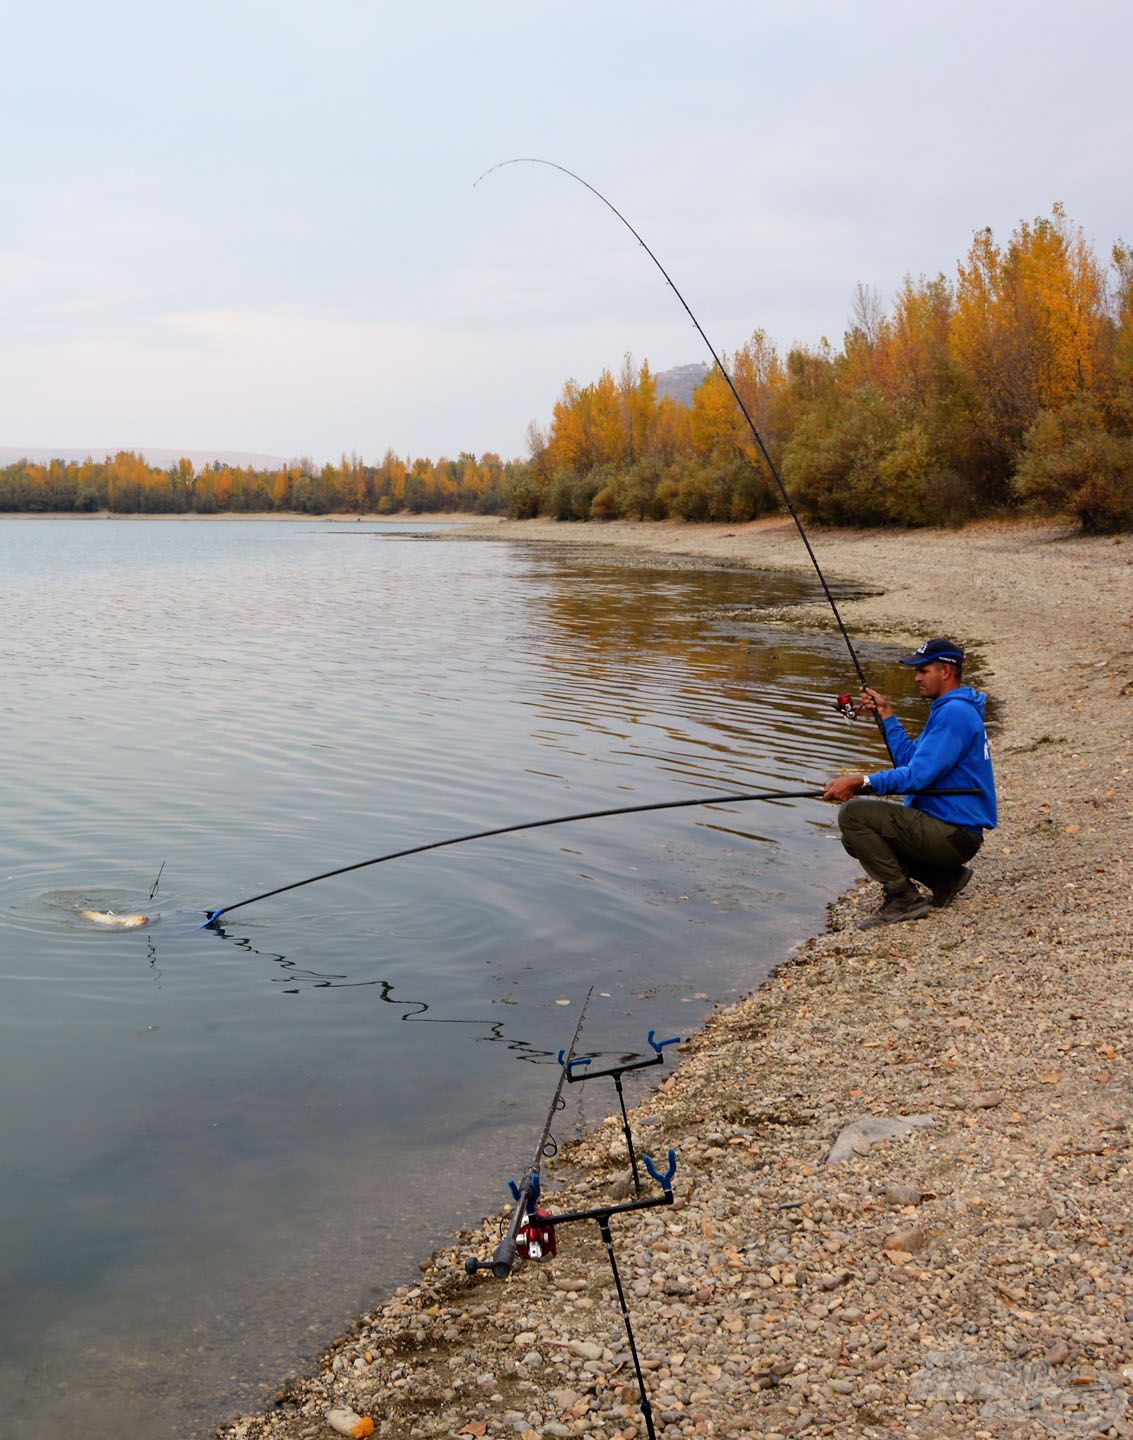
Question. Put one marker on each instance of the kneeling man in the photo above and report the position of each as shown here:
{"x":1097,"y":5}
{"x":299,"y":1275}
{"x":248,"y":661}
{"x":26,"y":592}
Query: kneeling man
{"x":931,"y":837}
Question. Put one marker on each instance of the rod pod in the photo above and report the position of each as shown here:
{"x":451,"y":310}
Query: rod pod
{"x":615,"y":1073}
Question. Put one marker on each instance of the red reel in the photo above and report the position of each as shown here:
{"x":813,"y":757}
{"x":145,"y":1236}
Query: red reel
{"x":536,"y":1240}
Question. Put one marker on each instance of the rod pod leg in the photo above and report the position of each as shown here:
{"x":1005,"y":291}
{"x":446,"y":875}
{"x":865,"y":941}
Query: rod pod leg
{"x":646,"y":1408}
{"x":628,"y":1133}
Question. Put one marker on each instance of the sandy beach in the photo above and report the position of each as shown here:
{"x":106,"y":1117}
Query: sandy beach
{"x":970,"y":1278}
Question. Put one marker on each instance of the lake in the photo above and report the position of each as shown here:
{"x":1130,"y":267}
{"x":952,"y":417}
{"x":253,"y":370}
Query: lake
{"x":217,"y":1146}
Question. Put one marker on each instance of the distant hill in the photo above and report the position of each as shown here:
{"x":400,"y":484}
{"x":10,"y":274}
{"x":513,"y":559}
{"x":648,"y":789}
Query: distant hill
{"x":9,"y":454}
{"x":679,"y":382}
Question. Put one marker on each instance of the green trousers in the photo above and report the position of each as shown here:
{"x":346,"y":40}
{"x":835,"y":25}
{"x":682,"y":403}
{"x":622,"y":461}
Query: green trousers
{"x":895,"y":843}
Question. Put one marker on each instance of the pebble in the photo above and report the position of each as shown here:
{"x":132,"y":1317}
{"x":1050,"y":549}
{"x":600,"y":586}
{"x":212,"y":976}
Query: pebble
{"x":910,"y":1240}
{"x":585,"y":1348}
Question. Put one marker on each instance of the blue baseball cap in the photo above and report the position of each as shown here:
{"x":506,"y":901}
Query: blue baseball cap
{"x":940,"y":649}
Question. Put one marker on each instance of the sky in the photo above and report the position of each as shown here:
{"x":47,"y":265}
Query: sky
{"x":255,"y":226}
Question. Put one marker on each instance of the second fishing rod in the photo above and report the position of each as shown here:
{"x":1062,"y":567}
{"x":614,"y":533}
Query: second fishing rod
{"x":744,"y":411}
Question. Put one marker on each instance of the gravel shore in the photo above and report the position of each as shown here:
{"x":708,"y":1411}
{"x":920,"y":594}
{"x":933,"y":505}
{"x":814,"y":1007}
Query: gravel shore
{"x":970,"y":1279}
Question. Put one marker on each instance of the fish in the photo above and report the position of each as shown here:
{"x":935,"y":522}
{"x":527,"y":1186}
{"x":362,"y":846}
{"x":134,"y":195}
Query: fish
{"x":112,"y":921}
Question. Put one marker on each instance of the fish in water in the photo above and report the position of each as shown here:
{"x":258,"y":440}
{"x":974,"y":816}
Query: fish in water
{"x":116,"y":922}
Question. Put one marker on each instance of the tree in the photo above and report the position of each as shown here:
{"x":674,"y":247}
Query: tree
{"x":1029,"y":324}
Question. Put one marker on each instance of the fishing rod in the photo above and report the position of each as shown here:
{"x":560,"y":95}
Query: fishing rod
{"x":212,"y":916}
{"x":772,"y":467}
{"x":526,"y":1193}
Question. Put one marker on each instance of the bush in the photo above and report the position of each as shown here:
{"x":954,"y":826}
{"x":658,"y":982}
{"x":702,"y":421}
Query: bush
{"x":606,"y":505}
{"x":831,"y":464}
{"x":698,"y":492}
{"x":526,"y":496}
{"x":1071,"y":464}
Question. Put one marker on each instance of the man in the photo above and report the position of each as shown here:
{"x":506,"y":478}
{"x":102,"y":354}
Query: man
{"x":930,"y":837}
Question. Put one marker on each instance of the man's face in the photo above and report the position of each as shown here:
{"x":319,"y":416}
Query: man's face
{"x":933,"y":679}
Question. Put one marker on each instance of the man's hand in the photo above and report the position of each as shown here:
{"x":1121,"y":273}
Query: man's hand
{"x":843,"y":787}
{"x":876,"y":702}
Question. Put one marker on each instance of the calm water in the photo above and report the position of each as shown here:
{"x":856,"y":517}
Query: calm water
{"x":215,"y":1147}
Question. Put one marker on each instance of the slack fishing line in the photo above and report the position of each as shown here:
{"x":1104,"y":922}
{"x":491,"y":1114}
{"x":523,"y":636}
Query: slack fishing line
{"x":212,"y":916}
{"x":772,"y":467}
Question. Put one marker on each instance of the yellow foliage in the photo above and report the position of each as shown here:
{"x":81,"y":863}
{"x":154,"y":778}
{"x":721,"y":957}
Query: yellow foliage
{"x":1029,"y":318}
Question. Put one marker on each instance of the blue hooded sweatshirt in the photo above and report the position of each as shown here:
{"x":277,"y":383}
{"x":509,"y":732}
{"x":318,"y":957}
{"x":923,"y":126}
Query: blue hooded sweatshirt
{"x":951,"y":752}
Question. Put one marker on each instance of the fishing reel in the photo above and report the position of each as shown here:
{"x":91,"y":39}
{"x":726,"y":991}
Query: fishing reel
{"x":536,"y":1240}
{"x":845,"y":705}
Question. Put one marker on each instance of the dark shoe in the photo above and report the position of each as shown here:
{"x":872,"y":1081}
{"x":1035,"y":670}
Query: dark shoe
{"x":946,"y":889}
{"x":907,"y":904}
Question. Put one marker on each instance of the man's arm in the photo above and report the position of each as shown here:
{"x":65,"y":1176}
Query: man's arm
{"x":901,"y":747}
{"x":845,"y":787}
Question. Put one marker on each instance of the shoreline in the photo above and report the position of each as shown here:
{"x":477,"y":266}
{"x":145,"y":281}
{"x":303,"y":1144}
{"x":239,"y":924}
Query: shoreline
{"x":960,"y":1281}
{"x":340,"y":517}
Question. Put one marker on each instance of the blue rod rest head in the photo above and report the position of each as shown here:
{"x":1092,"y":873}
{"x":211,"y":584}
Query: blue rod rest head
{"x":578,"y":1060}
{"x":659,"y":1045}
{"x":532,"y":1185}
{"x":665,"y":1181}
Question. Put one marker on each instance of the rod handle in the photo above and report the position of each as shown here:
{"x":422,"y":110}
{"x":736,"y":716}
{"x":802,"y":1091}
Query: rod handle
{"x":501,"y":1263}
{"x":504,"y":1258}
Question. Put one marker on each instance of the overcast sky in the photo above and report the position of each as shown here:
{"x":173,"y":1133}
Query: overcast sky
{"x":254,"y":226}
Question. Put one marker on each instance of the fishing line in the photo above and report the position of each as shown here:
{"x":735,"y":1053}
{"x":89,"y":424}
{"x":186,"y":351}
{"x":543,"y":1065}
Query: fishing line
{"x":212,"y":916}
{"x":772,"y":467}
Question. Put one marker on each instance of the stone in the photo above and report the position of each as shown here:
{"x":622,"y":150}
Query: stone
{"x":909,"y":1240}
{"x":858,"y":1137}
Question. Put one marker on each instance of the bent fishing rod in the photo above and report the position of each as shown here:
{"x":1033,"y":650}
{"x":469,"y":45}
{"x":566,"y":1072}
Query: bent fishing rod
{"x":763,"y":450}
{"x":212,"y":916}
